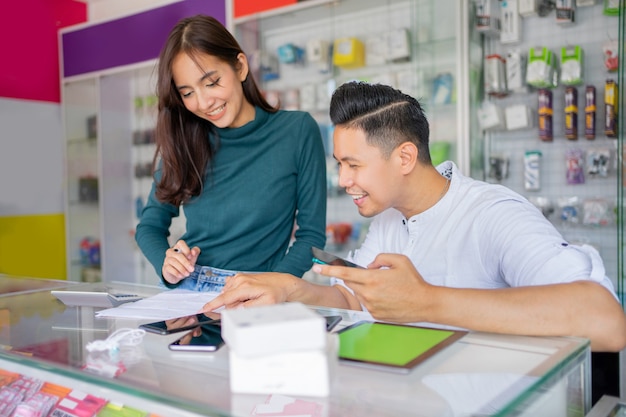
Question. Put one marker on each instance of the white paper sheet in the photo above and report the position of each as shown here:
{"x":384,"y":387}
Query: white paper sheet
{"x":163,"y":306}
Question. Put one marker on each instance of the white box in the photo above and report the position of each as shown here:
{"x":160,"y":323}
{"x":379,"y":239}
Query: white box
{"x":490,"y":117}
{"x":375,"y":49}
{"x":515,"y":71}
{"x":304,"y":372}
{"x":518,"y":116}
{"x":511,"y":24}
{"x":527,"y":8}
{"x":271,"y":329}
{"x":398,"y":45}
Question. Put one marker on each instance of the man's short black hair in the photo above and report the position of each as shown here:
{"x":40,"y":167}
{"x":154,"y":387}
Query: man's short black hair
{"x":387,"y":116}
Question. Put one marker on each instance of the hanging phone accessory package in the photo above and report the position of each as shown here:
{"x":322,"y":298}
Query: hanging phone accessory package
{"x":279,"y":349}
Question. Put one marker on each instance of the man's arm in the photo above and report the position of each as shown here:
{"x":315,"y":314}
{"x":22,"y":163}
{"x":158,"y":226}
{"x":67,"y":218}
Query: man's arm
{"x":399,"y":293}
{"x":581,"y":308}
{"x":247,"y":290}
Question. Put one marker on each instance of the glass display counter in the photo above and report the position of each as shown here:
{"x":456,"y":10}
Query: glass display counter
{"x":481,"y":374}
{"x":609,"y":406}
{"x":10,"y":285}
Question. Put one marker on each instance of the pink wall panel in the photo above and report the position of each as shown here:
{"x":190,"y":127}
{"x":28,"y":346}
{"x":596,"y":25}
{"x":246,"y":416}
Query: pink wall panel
{"x":29,"y":46}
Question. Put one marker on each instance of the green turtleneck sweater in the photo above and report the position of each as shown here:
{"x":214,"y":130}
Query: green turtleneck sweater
{"x":266,"y":175}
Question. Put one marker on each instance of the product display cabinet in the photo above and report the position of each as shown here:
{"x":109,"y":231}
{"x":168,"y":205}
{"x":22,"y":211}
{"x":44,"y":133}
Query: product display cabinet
{"x":99,"y":183}
{"x":109,"y":107}
{"x":44,"y":350}
{"x":82,"y":180}
{"x":109,"y":179}
{"x":101,"y":175}
{"x":301,"y":53}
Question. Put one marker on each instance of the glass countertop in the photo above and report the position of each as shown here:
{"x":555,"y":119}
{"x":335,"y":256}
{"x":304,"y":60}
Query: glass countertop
{"x":21,"y":285}
{"x":486,"y":374}
{"x":609,"y":406}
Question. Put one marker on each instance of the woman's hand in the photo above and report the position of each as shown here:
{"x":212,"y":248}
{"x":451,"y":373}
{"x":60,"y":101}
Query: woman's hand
{"x":179,"y":262}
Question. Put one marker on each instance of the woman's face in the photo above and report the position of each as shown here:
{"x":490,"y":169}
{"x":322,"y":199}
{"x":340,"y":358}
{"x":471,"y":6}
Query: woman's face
{"x":212,"y":90}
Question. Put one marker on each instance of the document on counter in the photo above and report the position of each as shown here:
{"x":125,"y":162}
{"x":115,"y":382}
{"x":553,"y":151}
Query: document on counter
{"x":163,"y":306}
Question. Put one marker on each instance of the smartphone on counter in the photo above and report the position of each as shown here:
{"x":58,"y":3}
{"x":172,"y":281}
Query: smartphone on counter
{"x":180,"y":324}
{"x":331,"y":322}
{"x":204,"y":338}
{"x":327,"y":258}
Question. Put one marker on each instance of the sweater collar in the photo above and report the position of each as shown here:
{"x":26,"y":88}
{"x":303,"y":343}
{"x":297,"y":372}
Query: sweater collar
{"x":260,"y":117}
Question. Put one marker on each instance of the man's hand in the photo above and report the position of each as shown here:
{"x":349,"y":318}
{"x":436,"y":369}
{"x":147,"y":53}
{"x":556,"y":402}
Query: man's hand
{"x":390,"y":288}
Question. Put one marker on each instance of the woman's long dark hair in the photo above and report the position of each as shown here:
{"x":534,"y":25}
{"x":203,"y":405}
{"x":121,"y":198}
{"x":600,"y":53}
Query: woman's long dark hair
{"x":182,"y":138}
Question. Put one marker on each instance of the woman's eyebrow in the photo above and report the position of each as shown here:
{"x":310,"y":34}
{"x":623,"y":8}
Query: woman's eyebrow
{"x":207,"y":75}
{"x":204,"y":77}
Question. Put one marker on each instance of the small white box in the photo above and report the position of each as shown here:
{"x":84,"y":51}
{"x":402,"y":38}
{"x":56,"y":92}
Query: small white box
{"x":308,"y":97}
{"x":490,"y":117}
{"x":515,"y":72}
{"x":272,"y":329}
{"x":511,"y":25}
{"x":305,"y":372}
{"x":398,"y":45}
{"x":375,"y":50}
{"x":318,"y":52}
{"x":518,"y":117}
{"x":527,"y":8}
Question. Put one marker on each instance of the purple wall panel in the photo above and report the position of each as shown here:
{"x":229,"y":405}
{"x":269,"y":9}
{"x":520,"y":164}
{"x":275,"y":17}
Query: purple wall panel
{"x":131,"y":39}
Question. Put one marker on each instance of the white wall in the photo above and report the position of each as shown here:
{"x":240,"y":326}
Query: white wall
{"x":31,"y":158}
{"x":100,"y":10}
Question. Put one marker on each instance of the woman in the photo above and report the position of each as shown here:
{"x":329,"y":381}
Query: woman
{"x":242,"y":171}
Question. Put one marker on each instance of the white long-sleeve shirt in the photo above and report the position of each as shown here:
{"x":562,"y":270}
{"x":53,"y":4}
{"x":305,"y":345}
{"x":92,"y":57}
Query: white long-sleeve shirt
{"x":481,"y":235}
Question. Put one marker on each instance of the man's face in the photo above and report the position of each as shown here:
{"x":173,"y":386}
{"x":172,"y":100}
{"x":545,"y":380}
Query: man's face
{"x":371,"y":180}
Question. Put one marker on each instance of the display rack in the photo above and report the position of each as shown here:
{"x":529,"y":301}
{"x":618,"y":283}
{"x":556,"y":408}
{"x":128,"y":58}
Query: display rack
{"x":583,"y":209}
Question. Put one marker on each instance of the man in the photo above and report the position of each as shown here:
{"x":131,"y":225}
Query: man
{"x":443,"y":248}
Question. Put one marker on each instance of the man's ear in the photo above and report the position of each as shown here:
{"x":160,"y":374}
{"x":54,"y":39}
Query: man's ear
{"x":408,"y":156}
{"x":242,"y":71}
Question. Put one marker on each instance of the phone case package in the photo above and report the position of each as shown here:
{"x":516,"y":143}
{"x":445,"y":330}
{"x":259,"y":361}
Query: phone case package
{"x":545,"y":111}
{"x":590,"y":112}
{"x":495,"y":76}
{"x":571,"y":113}
{"x":610,"y":105}
{"x":565,"y":12}
{"x":532,"y":163}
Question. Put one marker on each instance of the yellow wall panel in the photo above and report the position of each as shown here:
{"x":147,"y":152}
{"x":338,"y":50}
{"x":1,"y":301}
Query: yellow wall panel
{"x":33,"y":246}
